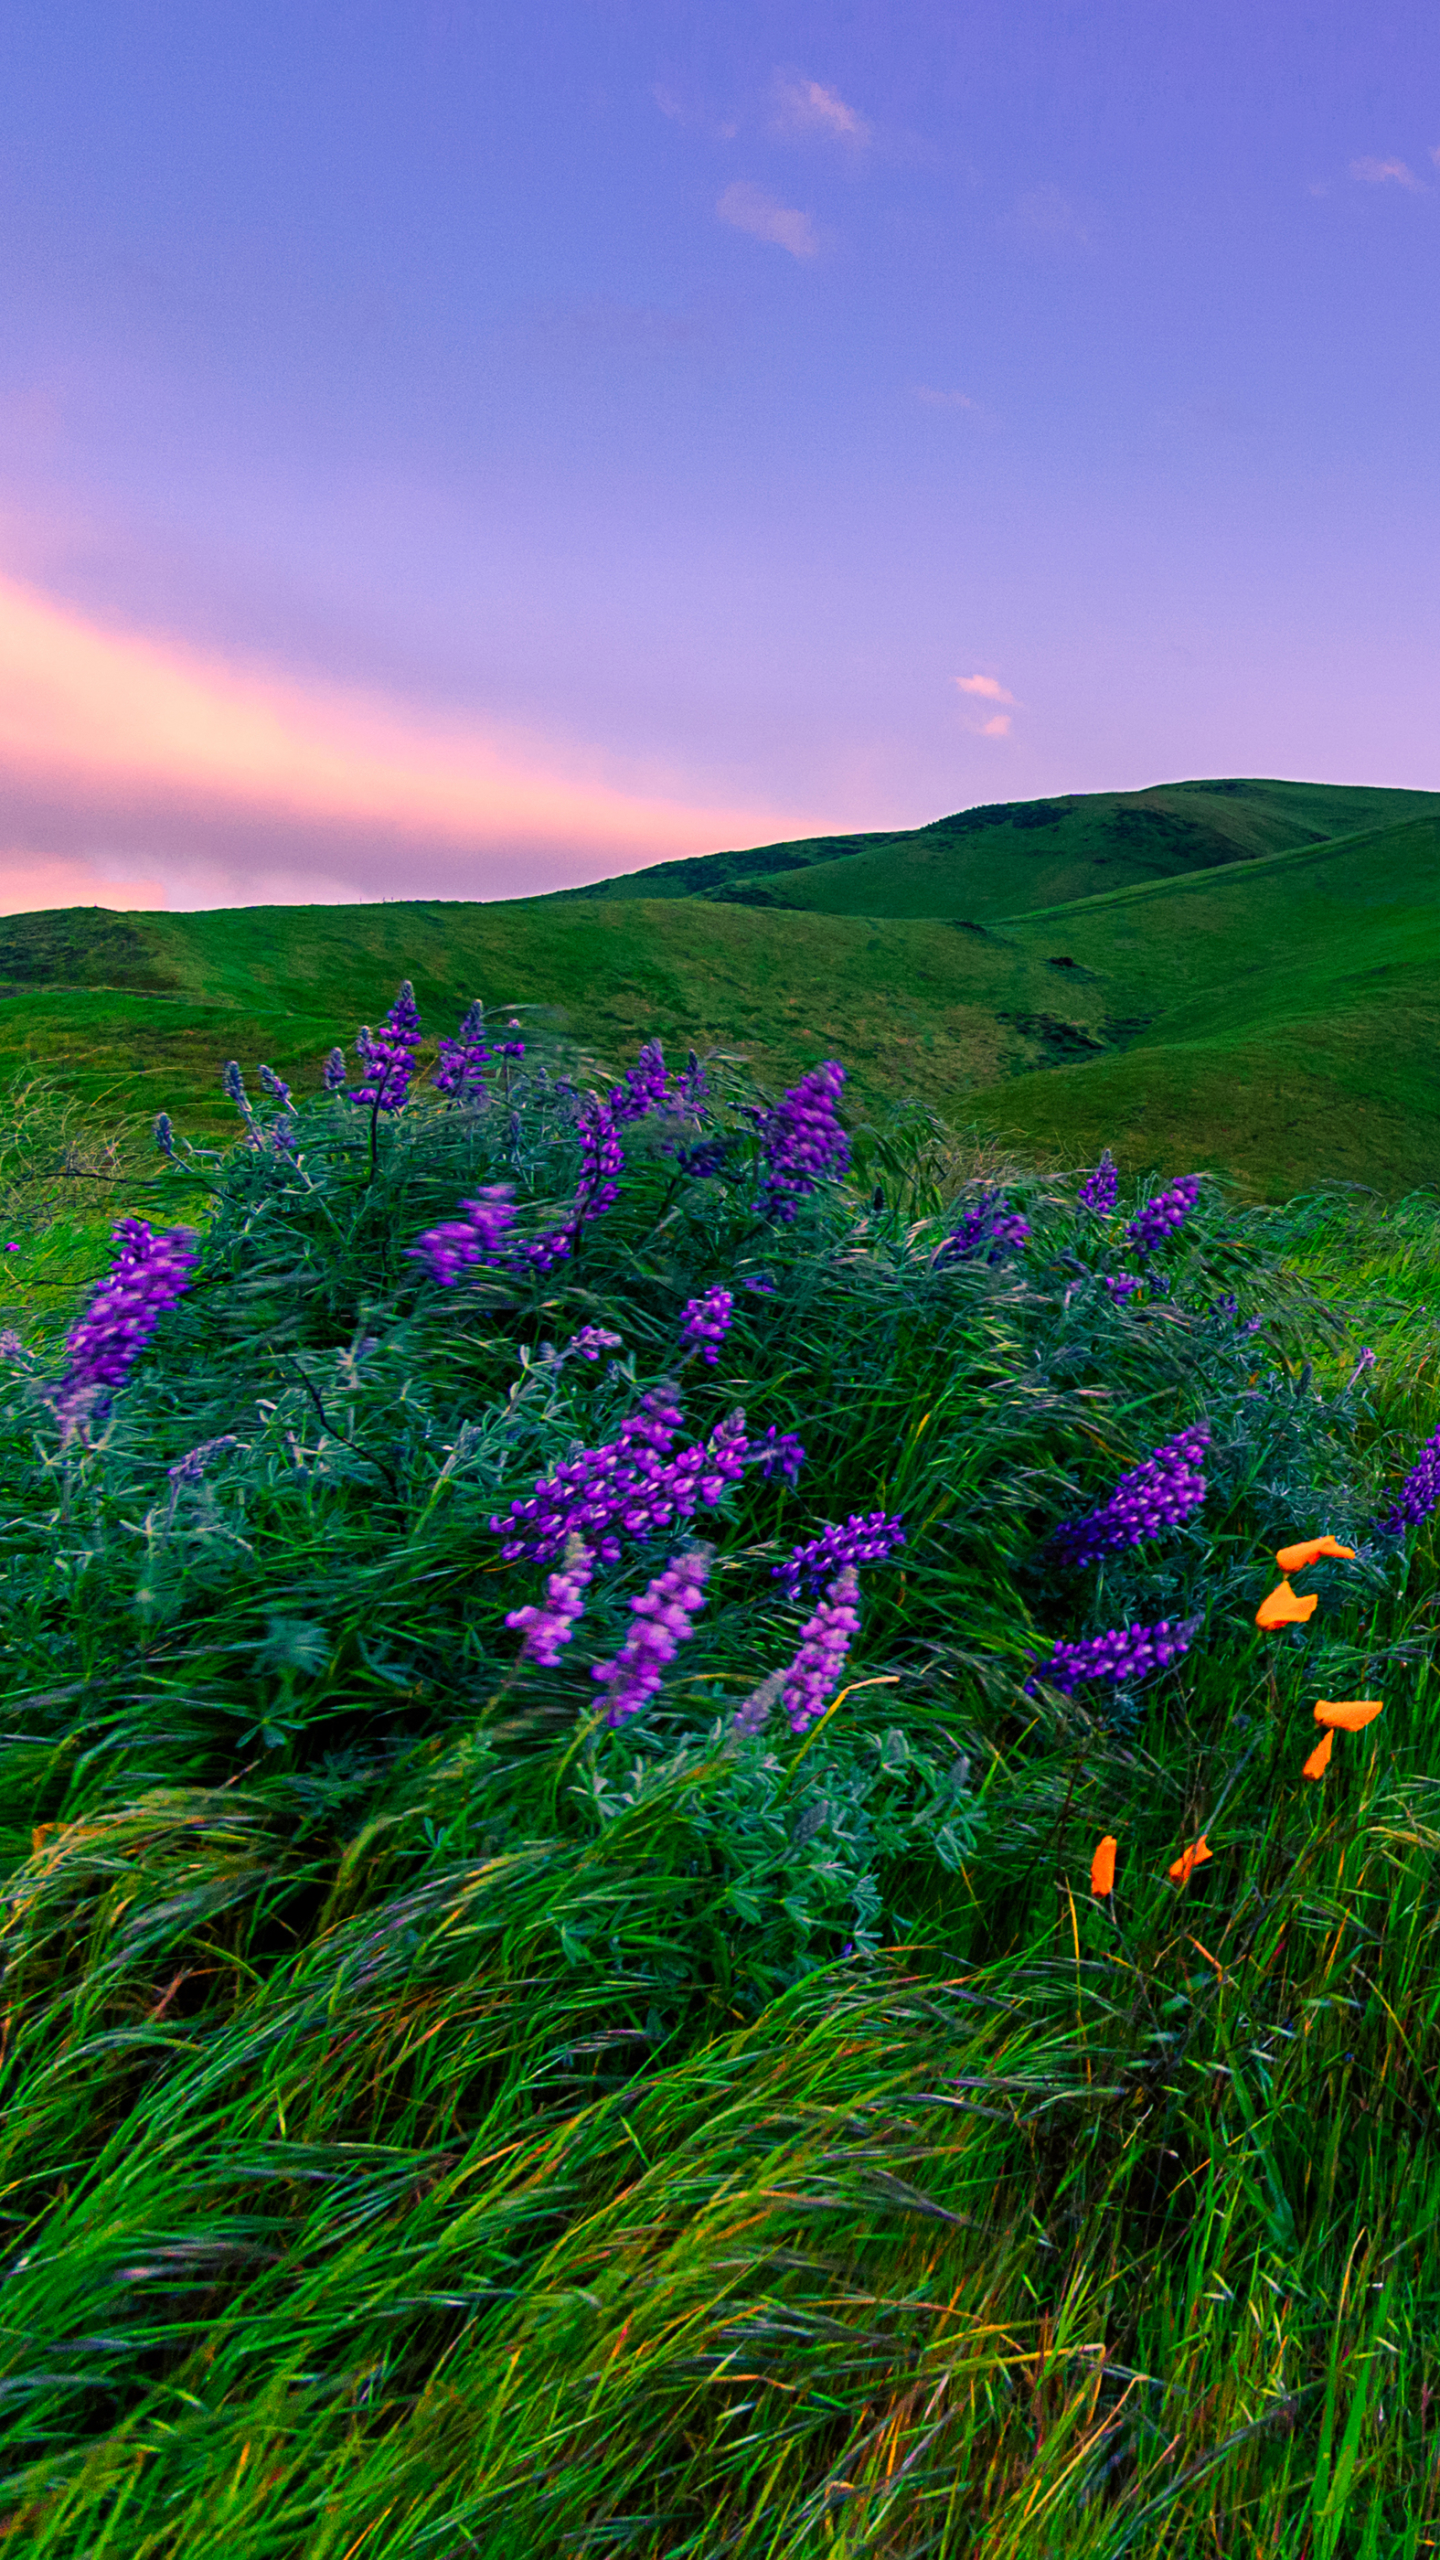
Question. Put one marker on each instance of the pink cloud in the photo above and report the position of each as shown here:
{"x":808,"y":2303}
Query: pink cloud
{"x":804,"y":106}
{"x":184,"y":777}
{"x":1378,"y":173}
{"x":986,"y":687}
{"x":750,"y":208}
{"x":999,"y":727}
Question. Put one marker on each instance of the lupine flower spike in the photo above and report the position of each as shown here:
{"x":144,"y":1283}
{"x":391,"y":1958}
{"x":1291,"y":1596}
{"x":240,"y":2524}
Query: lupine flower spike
{"x":549,"y":1628}
{"x":1121,"y":1653}
{"x":1348,"y":1715}
{"x":1102,"y":1866}
{"x":1168,"y":1489}
{"x":148,"y":1274}
{"x":662,"y":1617}
{"x":1189,"y":1859}
{"x":1101,"y":1189}
{"x":1319,"y":1760}
{"x":1295,"y":1559}
{"x":1163,"y":1214}
{"x":1286,"y":1608}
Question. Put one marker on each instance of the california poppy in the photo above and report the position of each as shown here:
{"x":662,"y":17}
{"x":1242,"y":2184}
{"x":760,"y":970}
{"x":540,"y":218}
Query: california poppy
{"x":1319,"y":1760}
{"x":1102,"y":1865}
{"x":1295,"y":1559}
{"x":1285,"y":1608}
{"x":1348,"y":1715}
{"x":1189,"y":1859}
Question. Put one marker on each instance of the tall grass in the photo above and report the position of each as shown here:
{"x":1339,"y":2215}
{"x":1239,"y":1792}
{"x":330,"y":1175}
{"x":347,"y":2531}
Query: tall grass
{"x":437,"y":2123}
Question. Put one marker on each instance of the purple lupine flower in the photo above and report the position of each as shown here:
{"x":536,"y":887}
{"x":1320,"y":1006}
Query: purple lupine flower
{"x":865,"y":1538}
{"x":634,"y":1486}
{"x":601,"y":1158}
{"x":478,"y":1236}
{"x":1164,"y":1213}
{"x":1101,"y":1189}
{"x":992,"y":1229}
{"x":275,"y":1086}
{"x":1121,"y":1285}
{"x":165,"y":1135}
{"x":706,"y":1322}
{"x":590,"y":1341}
{"x":706,"y":1161}
{"x":388,"y":1055}
{"x":1365,"y":1361}
{"x":825,"y":1639}
{"x":780,"y":1453}
{"x":801,"y":1141}
{"x":1158,"y":1495}
{"x":463,"y":1060}
{"x":148,"y":1274}
{"x":512,"y":1048}
{"x":645,"y":1086}
{"x":233,"y":1084}
{"x":549,"y":1627}
{"x":752,"y":1712}
{"x":11,"y":1346}
{"x":191,"y":1468}
{"x":334,"y":1071}
{"x":662,"y":1614}
{"x":1418,"y":1495}
{"x":1127,"y":1654}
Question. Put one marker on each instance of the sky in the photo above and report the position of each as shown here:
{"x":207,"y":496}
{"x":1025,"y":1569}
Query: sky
{"x":460,"y":450}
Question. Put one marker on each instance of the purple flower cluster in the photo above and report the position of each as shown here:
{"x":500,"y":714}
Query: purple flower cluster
{"x":478,"y":1236}
{"x":460,"y":1071}
{"x":1101,"y":1189}
{"x":780,"y":1453}
{"x":1121,"y":1285}
{"x":991,"y":1228}
{"x":825,"y":1639}
{"x":590,"y":1341}
{"x":1164,"y":1213}
{"x":1418,"y":1495}
{"x":662,"y":1614}
{"x":601,"y":1159}
{"x":706,"y":1322}
{"x":148,"y":1274}
{"x":801,"y":1141}
{"x":1127,"y":1654}
{"x":388,"y":1055}
{"x":1158,"y":1495}
{"x":707,"y":1161}
{"x":631,"y":1487}
{"x":867,"y":1537}
{"x":548,"y":1627}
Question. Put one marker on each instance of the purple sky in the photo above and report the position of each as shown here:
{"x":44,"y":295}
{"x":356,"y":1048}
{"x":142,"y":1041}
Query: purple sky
{"x":452,"y":449}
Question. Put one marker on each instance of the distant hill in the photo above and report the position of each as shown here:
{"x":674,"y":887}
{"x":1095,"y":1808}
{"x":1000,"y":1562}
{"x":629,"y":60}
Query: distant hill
{"x":1018,"y":855}
{"x":1271,"y":1009}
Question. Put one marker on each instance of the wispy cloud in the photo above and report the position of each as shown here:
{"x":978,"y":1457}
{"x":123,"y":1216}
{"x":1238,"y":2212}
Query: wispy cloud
{"x":187,"y":778}
{"x":1395,"y":173}
{"x":806,"y":107}
{"x":944,"y":399}
{"x":747,"y":207}
{"x":683,"y":111}
{"x":999,"y":727}
{"x":988,"y":689}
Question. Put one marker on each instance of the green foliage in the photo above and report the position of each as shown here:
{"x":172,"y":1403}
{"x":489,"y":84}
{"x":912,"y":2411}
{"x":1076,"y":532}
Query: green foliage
{"x":435,"y":2122}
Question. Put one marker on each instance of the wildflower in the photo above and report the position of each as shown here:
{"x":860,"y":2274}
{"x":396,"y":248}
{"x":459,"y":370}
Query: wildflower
{"x":11,"y":1346}
{"x":1365,"y":1361}
{"x":1295,"y":1559}
{"x":165,"y":1135}
{"x":388,"y":1055}
{"x":1189,"y":1859}
{"x":645,"y":1087}
{"x":991,"y":1228}
{"x":1319,"y":1760}
{"x":1283,"y":1607}
{"x":233,"y":1084}
{"x":825,"y":1640}
{"x":463,"y":1060}
{"x":478,"y":1236}
{"x":801,"y":1141}
{"x":600,"y":1160}
{"x":549,"y":1628}
{"x":1348,"y":1715}
{"x":332,"y":1074}
{"x":1121,"y":1654}
{"x":865,"y":1538}
{"x":276,"y":1087}
{"x":1163,"y":1214}
{"x":780,"y":1453}
{"x":663,"y":1614}
{"x":1102,"y":1866}
{"x":706,"y":1161}
{"x":1100,"y":1191}
{"x":1121,"y":1285}
{"x":632,"y":1486}
{"x":706,"y":1322}
{"x":192,"y":1467}
{"x":752,"y":1712}
{"x":148,"y":1274}
{"x":1162,"y":1493}
{"x":1418,"y":1494}
{"x":590,"y":1341}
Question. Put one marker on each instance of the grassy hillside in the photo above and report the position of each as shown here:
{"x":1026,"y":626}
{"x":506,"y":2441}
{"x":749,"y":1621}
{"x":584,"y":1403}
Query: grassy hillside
{"x":1019,"y":855}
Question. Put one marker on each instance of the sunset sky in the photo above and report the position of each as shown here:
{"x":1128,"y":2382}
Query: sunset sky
{"x":454,"y":450}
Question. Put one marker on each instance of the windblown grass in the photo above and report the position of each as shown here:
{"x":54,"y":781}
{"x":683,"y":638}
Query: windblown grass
{"x":435,"y":2123}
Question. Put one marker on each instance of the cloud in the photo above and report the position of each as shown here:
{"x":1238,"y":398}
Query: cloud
{"x":944,"y":399}
{"x":1379,"y":173}
{"x":803,"y":106}
{"x":178,"y":776}
{"x":986,"y":687}
{"x":999,"y":727}
{"x":750,"y":208}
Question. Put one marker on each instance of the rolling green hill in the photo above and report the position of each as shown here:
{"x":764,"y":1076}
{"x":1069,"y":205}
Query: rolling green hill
{"x":1272,"y":1010}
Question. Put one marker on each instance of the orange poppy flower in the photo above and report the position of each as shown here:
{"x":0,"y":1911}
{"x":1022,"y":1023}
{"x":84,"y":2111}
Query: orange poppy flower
{"x":1348,"y":1715}
{"x":1295,"y":1559}
{"x":1189,"y":1859}
{"x":1102,"y":1865}
{"x":1319,"y":1760}
{"x":1285,"y":1608}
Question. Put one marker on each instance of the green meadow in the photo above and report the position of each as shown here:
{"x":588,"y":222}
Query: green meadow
{"x":456,"y":2104}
